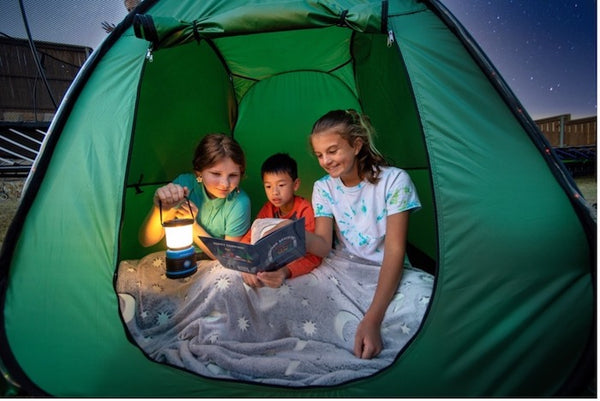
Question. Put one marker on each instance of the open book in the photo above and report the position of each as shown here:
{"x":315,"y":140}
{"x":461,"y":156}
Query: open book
{"x":270,"y":252}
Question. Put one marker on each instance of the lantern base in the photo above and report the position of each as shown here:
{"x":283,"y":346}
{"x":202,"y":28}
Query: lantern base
{"x":181,"y":262}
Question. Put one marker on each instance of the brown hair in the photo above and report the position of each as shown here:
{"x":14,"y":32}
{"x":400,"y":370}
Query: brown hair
{"x":351,"y":125}
{"x":215,"y":147}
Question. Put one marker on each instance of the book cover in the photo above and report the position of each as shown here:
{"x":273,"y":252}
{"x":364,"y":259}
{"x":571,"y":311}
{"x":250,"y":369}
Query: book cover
{"x":268,"y":253}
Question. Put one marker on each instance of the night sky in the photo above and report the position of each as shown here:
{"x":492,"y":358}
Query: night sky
{"x":545,"y":50}
{"x":547,"y":54}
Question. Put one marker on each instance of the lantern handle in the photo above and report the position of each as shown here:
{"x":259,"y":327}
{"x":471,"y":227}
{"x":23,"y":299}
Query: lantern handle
{"x":160,"y":209}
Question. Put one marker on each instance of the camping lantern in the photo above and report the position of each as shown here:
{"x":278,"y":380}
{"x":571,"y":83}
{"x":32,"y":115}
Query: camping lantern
{"x":181,"y":256}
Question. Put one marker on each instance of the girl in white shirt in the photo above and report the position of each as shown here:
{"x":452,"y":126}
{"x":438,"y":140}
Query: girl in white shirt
{"x":368,"y":203}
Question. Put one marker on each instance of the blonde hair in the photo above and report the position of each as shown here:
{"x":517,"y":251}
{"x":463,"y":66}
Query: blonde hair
{"x":352,"y":125}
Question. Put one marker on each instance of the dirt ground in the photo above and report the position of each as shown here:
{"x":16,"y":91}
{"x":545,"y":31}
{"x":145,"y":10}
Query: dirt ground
{"x":10,"y":192}
{"x":11,"y":188}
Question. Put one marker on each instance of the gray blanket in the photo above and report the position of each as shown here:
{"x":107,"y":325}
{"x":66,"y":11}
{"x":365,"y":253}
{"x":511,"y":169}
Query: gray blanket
{"x":300,"y":334}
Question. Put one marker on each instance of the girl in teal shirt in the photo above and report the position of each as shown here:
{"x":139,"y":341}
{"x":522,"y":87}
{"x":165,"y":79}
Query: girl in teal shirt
{"x":221,"y":208}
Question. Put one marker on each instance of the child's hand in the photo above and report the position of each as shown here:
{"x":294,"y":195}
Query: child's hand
{"x":275,"y":278}
{"x":183,"y":211}
{"x":251,"y":280}
{"x":367,"y":341}
{"x":170,"y":195}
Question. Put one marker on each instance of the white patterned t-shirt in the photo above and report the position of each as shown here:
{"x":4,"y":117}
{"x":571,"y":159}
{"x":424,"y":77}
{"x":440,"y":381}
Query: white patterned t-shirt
{"x":360,"y":212}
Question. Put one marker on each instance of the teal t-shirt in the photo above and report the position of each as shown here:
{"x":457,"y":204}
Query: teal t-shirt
{"x":229,"y":216}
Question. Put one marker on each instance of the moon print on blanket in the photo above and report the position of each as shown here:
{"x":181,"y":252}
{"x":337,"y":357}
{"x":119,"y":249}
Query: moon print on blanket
{"x":341,"y":320}
{"x":127,"y":305}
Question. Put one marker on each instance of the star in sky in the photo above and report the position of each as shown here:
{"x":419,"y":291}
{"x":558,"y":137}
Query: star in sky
{"x":545,"y":51}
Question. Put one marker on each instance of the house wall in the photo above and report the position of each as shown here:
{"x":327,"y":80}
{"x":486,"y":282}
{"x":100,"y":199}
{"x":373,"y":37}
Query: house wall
{"x":24,"y":96}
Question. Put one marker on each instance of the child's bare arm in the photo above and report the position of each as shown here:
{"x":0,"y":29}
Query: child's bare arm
{"x":367,"y":341}
{"x":319,"y":243}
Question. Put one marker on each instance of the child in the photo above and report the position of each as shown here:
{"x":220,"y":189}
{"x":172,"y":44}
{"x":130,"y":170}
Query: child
{"x":368,"y":202}
{"x":280,"y":179}
{"x":220,"y":207}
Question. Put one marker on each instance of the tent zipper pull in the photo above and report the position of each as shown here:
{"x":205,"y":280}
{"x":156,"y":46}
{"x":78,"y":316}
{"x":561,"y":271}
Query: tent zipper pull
{"x":149,"y":55}
{"x":390,"y":38}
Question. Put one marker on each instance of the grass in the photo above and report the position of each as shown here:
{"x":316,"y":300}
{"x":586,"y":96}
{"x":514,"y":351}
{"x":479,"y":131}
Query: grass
{"x":588,"y":187}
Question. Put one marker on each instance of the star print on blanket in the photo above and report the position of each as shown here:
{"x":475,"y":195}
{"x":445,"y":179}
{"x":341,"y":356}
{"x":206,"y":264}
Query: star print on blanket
{"x":299,"y":334}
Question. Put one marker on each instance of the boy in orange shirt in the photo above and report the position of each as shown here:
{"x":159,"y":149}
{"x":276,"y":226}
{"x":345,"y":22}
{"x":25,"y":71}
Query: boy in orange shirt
{"x":280,"y":179}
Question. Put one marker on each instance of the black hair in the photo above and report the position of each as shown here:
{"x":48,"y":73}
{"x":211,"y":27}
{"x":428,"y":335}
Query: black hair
{"x":280,"y":163}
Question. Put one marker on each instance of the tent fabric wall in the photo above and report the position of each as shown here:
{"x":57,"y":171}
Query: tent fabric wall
{"x":55,"y":258}
{"x":514,"y":299}
{"x":485,"y":207}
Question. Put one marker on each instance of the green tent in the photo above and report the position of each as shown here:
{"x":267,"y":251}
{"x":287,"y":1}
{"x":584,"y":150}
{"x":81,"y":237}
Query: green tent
{"x":503,"y":226}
